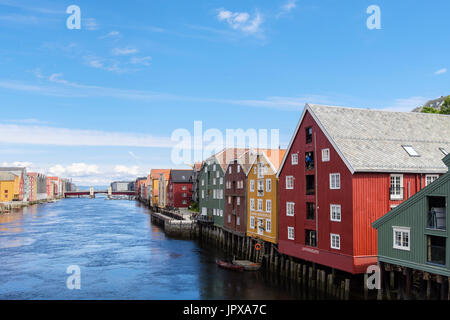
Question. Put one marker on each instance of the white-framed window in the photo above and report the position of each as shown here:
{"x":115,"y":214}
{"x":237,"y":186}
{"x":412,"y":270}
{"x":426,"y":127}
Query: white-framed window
{"x":430,"y":178}
{"x":335,"y":212}
{"x":238,"y":201}
{"x":203,"y":194}
{"x":411,"y":151}
{"x":214,"y":181}
{"x":335,"y":181}
{"x":229,"y":200}
{"x":254,"y":170}
{"x":221,"y":193}
{"x":396,"y":190}
{"x":268,"y":225}
{"x":260,"y":205}
{"x":289,"y":182}
{"x":335,"y":241}
{"x":229,"y":218}
{"x":229,"y":169}
{"x":214,"y":212}
{"x":260,"y":187}
{"x":268,"y":185}
{"x":238,"y":168}
{"x":260,"y":226}
{"x":252,"y":185}
{"x":260,"y":170}
{"x":325,"y":155}
{"x":291,"y":233}
{"x":221,"y":180}
{"x":184,"y":194}
{"x":214,"y":194}
{"x":238,"y":221}
{"x":294,"y":158}
{"x":217,"y":174}
{"x":184,"y":202}
{"x":252,"y":204}
{"x":269,"y":206}
{"x":203,"y":182}
{"x":252,"y":222}
{"x":402,"y":238}
{"x":184,"y":188}
{"x":214,"y":167}
{"x":290,"y":209}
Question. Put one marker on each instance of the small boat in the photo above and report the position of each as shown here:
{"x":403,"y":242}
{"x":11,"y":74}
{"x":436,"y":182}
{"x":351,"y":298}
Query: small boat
{"x":247,"y":265}
{"x":228,"y":265}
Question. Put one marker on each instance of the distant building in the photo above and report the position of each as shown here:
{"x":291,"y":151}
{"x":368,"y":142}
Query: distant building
{"x":118,"y":186}
{"x":162,"y":185}
{"x":9,"y":187}
{"x":179,"y":188}
{"x":24,"y":186}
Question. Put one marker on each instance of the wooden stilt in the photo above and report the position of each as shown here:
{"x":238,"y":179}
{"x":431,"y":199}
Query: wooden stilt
{"x":347,"y":289}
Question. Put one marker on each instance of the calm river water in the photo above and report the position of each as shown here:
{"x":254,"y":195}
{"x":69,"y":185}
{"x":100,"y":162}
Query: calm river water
{"x":121,"y":255}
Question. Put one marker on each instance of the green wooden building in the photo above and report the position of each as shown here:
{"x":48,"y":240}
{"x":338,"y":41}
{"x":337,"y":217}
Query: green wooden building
{"x":212,"y":185}
{"x":416,"y":233}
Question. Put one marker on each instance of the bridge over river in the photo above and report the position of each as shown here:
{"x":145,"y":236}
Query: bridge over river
{"x":91,"y":193}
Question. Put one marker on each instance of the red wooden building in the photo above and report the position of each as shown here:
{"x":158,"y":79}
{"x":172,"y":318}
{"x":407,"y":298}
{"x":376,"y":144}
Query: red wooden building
{"x":235,"y":193}
{"x":344,"y":169}
{"x":179,"y":188}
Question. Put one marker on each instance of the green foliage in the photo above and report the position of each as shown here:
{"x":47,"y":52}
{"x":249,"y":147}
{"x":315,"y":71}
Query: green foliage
{"x":194,"y":206}
{"x":445,"y":108}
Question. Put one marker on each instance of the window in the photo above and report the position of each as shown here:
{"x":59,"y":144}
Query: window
{"x":221,"y":180}
{"x":214,"y":212}
{"x":309,"y":160}
{"x":260,"y":226}
{"x":214,"y":181}
{"x":443,"y":151}
{"x":214,"y":194}
{"x":291,"y":233}
{"x":238,"y":201}
{"x":310,"y":238}
{"x":430,"y":178}
{"x":229,"y":169}
{"x":268,"y":185}
{"x":325,"y":155}
{"x":335,"y":181}
{"x":401,"y":238}
{"x":252,"y":204}
{"x":396,"y":189}
{"x":203,"y":194}
{"x":308,"y":135}
{"x":310,"y":185}
{"x":184,"y":188}
{"x":268,"y":225}
{"x":203,"y":182}
{"x":260,"y":205}
{"x":260,"y":170}
{"x":217,"y":174}
{"x":335,"y":212}
{"x":310,"y":211}
{"x":335,"y":241}
{"x":260,"y":188}
{"x":411,"y":151}
{"x":269,"y":206}
{"x":229,"y":218}
{"x":184,"y":202}
{"x":229,"y":200}
{"x":289,"y":182}
{"x":436,"y":213}
{"x":252,"y":185}
{"x":294,"y":158}
{"x":184,"y":194}
{"x":238,"y":168}
{"x":252,"y":222}
{"x":436,"y":249}
{"x":238,"y":221}
{"x":290,"y":209}
{"x":214,"y":167}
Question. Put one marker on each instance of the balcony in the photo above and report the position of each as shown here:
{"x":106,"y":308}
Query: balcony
{"x":396,"y":193}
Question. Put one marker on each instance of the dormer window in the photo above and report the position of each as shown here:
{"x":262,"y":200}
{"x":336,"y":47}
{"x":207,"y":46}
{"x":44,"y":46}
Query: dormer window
{"x":411,"y":151}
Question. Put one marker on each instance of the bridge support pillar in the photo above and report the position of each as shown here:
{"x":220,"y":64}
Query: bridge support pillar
{"x":91,"y":193}
{"x":109,"y":192}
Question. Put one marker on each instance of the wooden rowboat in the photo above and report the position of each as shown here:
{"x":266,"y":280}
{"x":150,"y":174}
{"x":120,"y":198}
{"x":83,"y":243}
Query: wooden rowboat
{"x":247,"y":265}
{"x":228,"y":265}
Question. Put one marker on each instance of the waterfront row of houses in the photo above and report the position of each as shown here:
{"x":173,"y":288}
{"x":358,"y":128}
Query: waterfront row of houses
{"x":16,"y":184}
{"x":346,"y":173}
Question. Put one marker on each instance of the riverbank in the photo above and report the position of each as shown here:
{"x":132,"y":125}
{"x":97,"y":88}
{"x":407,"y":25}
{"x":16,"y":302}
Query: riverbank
{"x":7,"y":207}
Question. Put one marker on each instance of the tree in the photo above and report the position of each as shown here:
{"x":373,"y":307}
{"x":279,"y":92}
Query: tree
{"x":445,"y":108}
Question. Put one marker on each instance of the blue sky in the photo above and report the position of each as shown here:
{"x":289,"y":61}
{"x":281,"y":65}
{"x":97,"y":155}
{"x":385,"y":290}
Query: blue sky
{"x":101,"y":103}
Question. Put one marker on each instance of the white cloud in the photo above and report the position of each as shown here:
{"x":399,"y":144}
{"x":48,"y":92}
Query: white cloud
{"x":441,"y":71}
{"x":406,"y":104}
{"x":241,"y":21}
{"x":287,"y":7}
{"x":141,"y":60}
{"x":41,"y":135}
{"x":133,"y":170}
{"x":25,"y":164}
{"x":112,"y":34}
{"x":124,"y":51}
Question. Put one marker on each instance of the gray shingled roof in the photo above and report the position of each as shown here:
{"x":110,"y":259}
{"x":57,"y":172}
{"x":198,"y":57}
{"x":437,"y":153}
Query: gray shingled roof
{"x":371,"y":140}
{"x":7,"y":176}
{"x":177,"y":175}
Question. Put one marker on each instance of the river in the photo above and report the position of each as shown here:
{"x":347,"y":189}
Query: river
{"x":120,"y":254}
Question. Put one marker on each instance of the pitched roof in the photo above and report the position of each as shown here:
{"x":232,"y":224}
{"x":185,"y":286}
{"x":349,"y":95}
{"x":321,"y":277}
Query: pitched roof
{"x":7,"y":176}
{"x":372,"y":140}
{"x":181,"y":176}
{"x":226,"y":155}
{"x":156,"y":173}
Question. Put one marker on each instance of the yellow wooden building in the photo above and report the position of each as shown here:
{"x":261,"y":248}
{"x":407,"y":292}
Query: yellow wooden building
{"x":9,"y":186}
{"x":262,"y":195}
